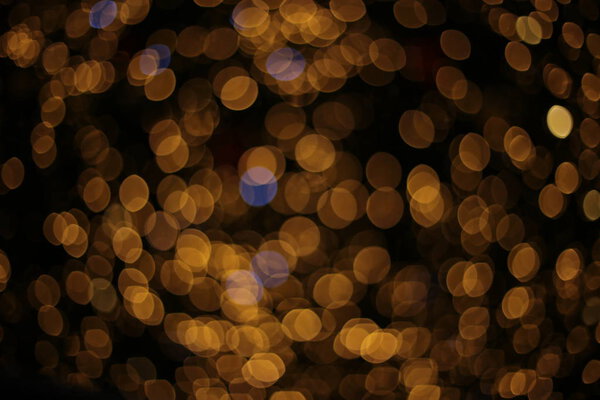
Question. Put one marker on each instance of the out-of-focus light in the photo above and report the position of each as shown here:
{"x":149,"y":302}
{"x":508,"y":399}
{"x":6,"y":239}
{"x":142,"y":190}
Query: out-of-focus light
{"x":285,"y":64}
{"x":103,"y":13}
{"x":271,"y":267}
{"x":258,"y":186}
{"x":155,"y":59}
{"x":560,"y":121}
{"x":244,"y":287}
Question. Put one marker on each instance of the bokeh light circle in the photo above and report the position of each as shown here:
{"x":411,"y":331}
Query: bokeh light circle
{"x":102,"y":14}
{"x":258,"y":186}
{"x":271,"y":267}
{"x":155,"y":59}
{"x":285,"y":64}
{"x":244,"y":287}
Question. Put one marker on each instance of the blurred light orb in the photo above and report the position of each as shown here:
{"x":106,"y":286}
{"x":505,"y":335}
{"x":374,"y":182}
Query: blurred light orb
{"x":244,"y":287}
{"x":285,"y":64}
{"x":271,"y":267}
{"x":155,"y":59}
{"x":249,"y":15}
{"x":102,"y":14}
{"x":560,"y":121}
{"x":258,"y":186}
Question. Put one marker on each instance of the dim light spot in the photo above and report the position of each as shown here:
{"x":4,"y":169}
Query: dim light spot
{"x":103,"y":13}
{"x":568,"y":264}
{"x":271,"y":267}
{"x":314,"y":153}
{"x":518,"y":56}
{"x":517,"y":302}
{"x":155,"y":59}
{"x":455,"y":44}
{"x":416,"y":129}
{"x":523,"y":262}
{"x":285,"y":64}
{"x":591,"y":205}
{"x":410,"y":13}
{"x":133,"y":193}
{"x":12,"y":173}
{"x":371,"y":265}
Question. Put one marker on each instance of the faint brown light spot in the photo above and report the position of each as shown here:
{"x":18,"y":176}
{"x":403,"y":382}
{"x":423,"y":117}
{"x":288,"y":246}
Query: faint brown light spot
{"x":591,"y":372}
{"x":568,"y":264}
{"x":127,"y":244}
{"x":133,"y":193}
{"x":54,"y":57}
{"x":371,"y":264}
{"x":333,"y":290}
{"x":302,"y":234}
{"x":526,"y":338}
{"x":416,"y":129}
{"x":387,"y":54}
{"x":410,"y":13}
{"x":451,"y":82}
{"x":572,"y":35}
{"x":78,"y":287}
{"x":523,"y":262}
{"x":284,"y":121}
{"x":578,"y":339}
{"x":551,"y":201}
{"x":347,"y":11}
{"x":53,"y":111}
{"x":50,"y":320}
{"x":208,"y":3}
{"x":422,"y":392}
{"x":385,"y":207}
{"x":474,"y":322}
{"x":590,"y":84}
{"x":558,"y":81}
{"x":96,"y":194}
{"x":591,"y":205}
{"x":177,"y":277}
{"x":13,"y":173}
{"x":455,"y":44}
{"x":477,"y":279}
{"x":162,"y":230}
{"x":517,"y":302}
{"x":518,"y":56}
{"x":474,"y":152}
{"x":160,"y":86}
{"x":567,"y":177}
{"x":5,"y":270}
{"x":159,"y":389}
{"x":383,"y":169}
{"x":220,"y":43}
{"x":314,"y":153}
